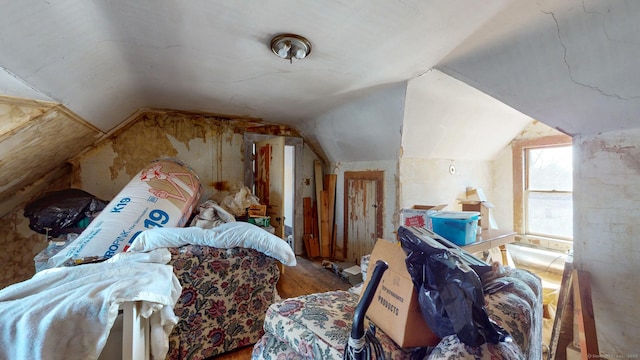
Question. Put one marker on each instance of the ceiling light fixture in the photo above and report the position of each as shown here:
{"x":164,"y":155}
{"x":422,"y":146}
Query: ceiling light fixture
{"x":290,"y":47}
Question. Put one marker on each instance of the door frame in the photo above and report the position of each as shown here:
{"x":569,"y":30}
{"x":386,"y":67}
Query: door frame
{"x":373,"y":175}
{"x":249,"y":140}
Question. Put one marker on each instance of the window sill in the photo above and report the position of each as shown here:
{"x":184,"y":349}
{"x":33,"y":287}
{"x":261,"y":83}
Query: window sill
{"x":564,"y":246}
{"x":537,"y":257}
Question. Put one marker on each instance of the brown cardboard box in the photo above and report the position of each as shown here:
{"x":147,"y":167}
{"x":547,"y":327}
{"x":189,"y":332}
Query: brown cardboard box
{"x":395,"y":308}
{"x":257,"y":210}
{"x":483,"y":207}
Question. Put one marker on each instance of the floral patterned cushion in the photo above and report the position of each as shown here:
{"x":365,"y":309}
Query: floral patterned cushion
{"x":270,"y":347}
{"x":225,"y":294}
{"x":315,"y":326}
{"x":452,"y":348}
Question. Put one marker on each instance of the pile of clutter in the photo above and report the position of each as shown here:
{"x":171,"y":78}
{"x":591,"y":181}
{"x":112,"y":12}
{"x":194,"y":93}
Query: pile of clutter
{"x":209,"y":215}
{"x":224,"y":207}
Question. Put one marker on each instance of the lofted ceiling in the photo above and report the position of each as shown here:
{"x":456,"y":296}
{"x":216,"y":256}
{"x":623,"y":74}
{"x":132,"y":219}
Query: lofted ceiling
{"x":105,"y":59}
{"x":571,"y":64}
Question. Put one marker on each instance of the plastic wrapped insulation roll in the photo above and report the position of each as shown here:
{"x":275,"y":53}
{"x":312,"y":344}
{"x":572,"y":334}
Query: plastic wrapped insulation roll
{"x":163,"y":194}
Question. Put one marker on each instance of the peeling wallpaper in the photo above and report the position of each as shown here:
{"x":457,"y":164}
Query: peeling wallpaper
{"x":212,"y":145}
{"x":18,"y":250}
{"x":20,"y":244}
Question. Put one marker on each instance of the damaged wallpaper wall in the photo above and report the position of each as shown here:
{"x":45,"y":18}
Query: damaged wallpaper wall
{"x":20,"y":244}
{"x":212,"y":145}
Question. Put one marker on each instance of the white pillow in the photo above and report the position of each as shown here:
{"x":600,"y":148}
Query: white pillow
{"x":229,"y":235}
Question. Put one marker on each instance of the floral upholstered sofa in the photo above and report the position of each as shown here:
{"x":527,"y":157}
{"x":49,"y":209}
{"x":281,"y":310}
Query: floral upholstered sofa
{"x":228,"y":276}
{"x":225,"y":294}
{"x":317,"y":326}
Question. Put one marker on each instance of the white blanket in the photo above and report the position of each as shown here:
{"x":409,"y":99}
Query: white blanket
{"x":225,"y":236}
{"x":67,"y":313}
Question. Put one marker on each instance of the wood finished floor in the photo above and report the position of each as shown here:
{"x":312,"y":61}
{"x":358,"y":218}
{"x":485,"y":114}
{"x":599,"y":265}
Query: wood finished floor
{"x":307,"y":277}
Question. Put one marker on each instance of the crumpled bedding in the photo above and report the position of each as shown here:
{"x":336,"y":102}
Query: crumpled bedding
{"x":225,"y":236}
{"x":67,"y":312}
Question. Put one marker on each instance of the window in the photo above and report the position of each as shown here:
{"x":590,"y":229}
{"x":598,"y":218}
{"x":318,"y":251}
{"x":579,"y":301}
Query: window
{"x":548,"y":192}
{"x":543,"y":191}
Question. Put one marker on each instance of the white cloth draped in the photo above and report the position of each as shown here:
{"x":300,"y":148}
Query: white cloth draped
{"x":67,"y":313}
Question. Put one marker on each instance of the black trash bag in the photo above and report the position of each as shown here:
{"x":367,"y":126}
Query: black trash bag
{"x":449,"y":292}
{"x":56,"y":211}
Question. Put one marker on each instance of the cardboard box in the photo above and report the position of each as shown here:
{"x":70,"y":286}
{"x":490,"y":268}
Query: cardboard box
{"x":475,"y":194}
{"x":419,"y":215}
{"x":395,"y":308}
{"x":476,"y":200}
{"x":348,"y":271}
{"x":483,"y":207}
{"x":257,"y":210}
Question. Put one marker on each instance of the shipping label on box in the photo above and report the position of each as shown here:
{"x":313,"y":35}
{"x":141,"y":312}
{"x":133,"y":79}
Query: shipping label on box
{"x":395,"y":308}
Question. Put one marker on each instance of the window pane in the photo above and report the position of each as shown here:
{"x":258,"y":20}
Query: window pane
{"x":550,"y":168}
{"x":550,"y":214}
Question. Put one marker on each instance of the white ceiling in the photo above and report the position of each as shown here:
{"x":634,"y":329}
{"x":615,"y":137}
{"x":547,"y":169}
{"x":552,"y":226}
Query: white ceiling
{"x":468,"y":126}
{"x":105,"y":59}
{"x":571,"y":64}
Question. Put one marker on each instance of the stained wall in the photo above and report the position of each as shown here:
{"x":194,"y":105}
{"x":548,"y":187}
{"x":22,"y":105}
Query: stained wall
{"x":211,"y":144}
{"x":18,"y":242}
{"x":607,"y":234}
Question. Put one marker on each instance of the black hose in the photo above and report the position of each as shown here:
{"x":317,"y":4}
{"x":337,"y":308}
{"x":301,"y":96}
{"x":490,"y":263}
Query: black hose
{"x":357,"y":329}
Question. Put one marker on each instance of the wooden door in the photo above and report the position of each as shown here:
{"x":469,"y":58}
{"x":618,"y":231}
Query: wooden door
{"x":363,"y":212}
{"x":269,"y":180}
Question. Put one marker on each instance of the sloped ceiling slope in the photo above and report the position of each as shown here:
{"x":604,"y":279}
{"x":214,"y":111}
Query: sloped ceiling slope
{"x":105,"y":59}
{"x":36,"y":139}
{"x":570,"y":64}
{"x":447,"y":119}
{"x":567,"y":63}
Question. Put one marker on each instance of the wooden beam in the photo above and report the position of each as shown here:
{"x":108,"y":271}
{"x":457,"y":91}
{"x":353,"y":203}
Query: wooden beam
{"x":325,"y":239}
{"x":330,"y":186}
{"x":319,"y":180}
{"x":583,"y":308}
{"x":308,"y":213}
{"x":562,"y":331}
{"x":311,"y":244}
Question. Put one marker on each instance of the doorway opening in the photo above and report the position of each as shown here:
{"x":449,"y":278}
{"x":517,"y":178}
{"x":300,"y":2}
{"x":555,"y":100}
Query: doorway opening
{"x":289,"y":192}
{"x":289,"y":175}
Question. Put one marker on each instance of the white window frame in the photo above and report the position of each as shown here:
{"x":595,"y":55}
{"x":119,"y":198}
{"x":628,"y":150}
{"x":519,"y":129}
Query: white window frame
{"x":527,"y":192}
{"x":519,"y":195}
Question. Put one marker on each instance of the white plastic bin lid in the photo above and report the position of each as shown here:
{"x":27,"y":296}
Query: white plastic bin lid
{"x":457,"y":215}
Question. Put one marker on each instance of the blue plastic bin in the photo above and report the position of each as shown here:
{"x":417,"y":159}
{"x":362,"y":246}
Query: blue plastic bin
{"x":459,"y":227}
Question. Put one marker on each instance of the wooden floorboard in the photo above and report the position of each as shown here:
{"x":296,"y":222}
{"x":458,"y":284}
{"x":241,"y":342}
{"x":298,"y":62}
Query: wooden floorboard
{"x":307,"y":277}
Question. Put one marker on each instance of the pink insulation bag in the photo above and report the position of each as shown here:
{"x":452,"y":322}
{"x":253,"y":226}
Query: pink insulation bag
{"x":163,"y":194}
